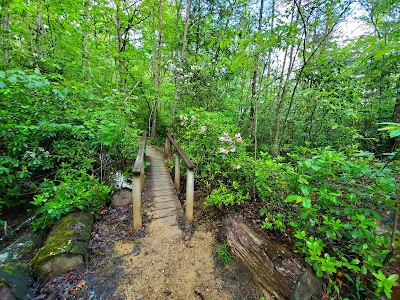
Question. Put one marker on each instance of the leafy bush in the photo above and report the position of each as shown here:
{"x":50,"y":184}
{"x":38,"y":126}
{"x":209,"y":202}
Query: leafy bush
{"x":223,"y":197}
{"x":77,"y":191}
{"x":213,"y":141}
{"x":54,"y":141}
{"x":335,"y":207}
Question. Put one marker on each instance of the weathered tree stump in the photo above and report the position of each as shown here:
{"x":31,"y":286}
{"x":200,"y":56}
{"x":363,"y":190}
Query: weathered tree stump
{"x":66,"y":246}
{"x":277,"y":272}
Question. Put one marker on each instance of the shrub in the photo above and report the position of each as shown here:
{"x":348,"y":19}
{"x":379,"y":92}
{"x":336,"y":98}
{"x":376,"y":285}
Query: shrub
{"x":334,"y":206}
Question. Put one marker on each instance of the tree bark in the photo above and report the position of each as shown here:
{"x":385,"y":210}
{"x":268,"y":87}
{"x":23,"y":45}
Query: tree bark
{"x":255,"y":73}
{"x":120,"y":48}
{"x":156,"y":101}
{"x":277,"y":272}
{"x":181,"y":61}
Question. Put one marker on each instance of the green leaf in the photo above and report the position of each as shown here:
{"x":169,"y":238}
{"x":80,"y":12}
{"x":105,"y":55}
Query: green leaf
{"x":382,"y":52}
{"x":380,"y":275}
{"x":292,"y":198}
{"x":364,"y":270}
{"x":306,"y":202}
{"x":395,"y":132}
{"x":2,"y":85}
{"x":393,"y":277}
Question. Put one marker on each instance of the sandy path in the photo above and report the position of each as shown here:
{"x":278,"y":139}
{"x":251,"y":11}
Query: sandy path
{"x":167,"y":266}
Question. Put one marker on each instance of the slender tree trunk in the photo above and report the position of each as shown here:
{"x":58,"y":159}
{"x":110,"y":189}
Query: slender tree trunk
{"x":282,"y":91}
{"x":5,"y":22}
{"x":253,"y":104}
{"x":181,"y":61}
{"x":120,"y":48}
{"x":156,"y":101}
{"x":85,"y":56}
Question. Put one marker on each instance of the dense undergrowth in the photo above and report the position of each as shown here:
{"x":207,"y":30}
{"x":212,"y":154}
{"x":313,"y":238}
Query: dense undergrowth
{"x":336,"y":207}
{"x":59,"y":144}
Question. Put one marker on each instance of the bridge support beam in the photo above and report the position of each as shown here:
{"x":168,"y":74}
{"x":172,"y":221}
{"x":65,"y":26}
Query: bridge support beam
{"x":177,"y":172}
{"x":137,"y":201}
{"x":189,"y":194}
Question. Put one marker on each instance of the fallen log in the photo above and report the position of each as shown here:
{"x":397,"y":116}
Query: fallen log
{"x":66,"y":246}
{"x":277,"y":272}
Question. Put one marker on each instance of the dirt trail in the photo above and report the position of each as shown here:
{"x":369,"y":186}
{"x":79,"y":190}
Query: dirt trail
{"x":159,"y":261}
{"x":168,"y":267}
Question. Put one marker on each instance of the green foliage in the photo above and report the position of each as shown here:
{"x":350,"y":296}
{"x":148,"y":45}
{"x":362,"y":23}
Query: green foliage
{"x":334,"y":206}
{"x":223,"y":197}
{"x":76,"y":191}
{"x":392,"y":128}
{"x":214,"y":143}
{"x":223,"y":253}
{"x":55,"y":140}
{"x":384,"y":283}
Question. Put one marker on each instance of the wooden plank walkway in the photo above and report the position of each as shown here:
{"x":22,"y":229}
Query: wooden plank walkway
{"x":165,"y":200}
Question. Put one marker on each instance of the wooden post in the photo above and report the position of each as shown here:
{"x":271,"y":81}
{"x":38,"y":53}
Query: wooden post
{"x":136,"y":201}
{"x":166,"y":146}
{"x":142,"y":176}
{"x":177,"y":172}
{"x":189,"y":194}
{"x":168,"y":149}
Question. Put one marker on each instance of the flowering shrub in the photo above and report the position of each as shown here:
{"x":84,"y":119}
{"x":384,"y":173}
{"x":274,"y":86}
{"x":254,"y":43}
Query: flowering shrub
{"x":214,"y":143}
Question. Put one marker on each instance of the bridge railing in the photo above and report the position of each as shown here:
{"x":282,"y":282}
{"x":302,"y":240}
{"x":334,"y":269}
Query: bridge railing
{"x":179,"y":153}
{"x":138,"y":184}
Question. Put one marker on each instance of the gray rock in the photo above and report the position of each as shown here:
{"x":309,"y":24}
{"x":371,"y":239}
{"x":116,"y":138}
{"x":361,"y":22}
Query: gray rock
{"x":21,"y":247}
{"x":307,"y":287}
{"x":121,"y":198}
{"x":6,"y":293}
{"x":14,"y":274}
{"x":15,"y":281}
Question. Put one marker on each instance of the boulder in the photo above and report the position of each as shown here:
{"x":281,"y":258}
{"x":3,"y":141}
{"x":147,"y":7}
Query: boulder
{"x":20,"y":248}
{"x":15,"y":281}
{"x":66,"y":246}
{"x":278,"y":273}
{"x":121,"y":197}
{"x":6,"y":293}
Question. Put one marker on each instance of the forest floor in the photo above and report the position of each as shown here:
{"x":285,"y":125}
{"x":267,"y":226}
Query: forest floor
{"x":162,"y":260}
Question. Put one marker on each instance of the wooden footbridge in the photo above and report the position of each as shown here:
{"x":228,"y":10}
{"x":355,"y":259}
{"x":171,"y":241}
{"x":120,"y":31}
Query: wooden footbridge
{"x":165,"y":197}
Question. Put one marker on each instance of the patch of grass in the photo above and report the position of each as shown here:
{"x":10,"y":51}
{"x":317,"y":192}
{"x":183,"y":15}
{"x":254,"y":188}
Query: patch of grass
{"x":224,"y":254}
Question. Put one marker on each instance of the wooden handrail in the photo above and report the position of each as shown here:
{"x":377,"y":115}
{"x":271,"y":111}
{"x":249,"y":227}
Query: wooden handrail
{"x":140,"y":156}
{"x":189,"y":173}
{"x":138,"y":184}
{"x":188,"y":162}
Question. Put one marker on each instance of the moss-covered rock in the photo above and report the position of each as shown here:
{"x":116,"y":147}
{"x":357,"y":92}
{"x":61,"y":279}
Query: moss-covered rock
{"x":20,"y":248}
{"x":14,"y":281}
{"x":66,"y":246}
{"x":14,"y":274}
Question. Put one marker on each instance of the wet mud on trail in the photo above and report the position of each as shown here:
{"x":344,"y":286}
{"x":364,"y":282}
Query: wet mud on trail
{"x":165,"y":259}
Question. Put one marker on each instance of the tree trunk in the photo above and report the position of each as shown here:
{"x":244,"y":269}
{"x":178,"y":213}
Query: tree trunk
{"x":277,"y":272}
{"x":85,"y":56}
{"x":156,"y":101}
{"x":5,"y":22}
{"x":120,"y":48}
{"x":181,"y":61}
{"x":254,"y":80}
